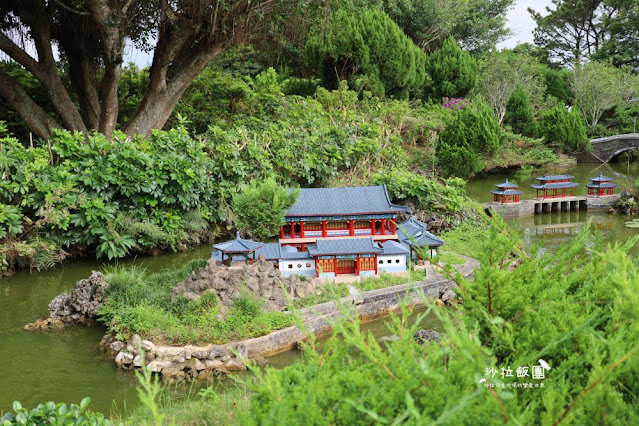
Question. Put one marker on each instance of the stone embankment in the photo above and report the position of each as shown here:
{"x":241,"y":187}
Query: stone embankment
{"x":178,"y":363}
{"x":261,"y":279}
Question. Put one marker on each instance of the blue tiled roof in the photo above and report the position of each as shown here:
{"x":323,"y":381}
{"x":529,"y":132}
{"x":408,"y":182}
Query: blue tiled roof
{"x":558,"y":185}
{"x":413,"y":232}
{"x":343,"y":201}
{"x":270,"y":251}
{"x":238,"y":245}
{"x":393,"y":247}
{"x":601,"y":185}
{"x":427,"y":239}
{"x":507,"y":185}
{"x":508,"y":192}
{"x":555,"y":177}
{"x":409,"y":228}
{"x":601,"y":178}
{"x":333,"y":246}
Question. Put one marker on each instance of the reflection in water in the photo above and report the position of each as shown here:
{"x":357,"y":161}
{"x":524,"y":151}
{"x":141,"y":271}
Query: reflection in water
{"x":550,"y":230}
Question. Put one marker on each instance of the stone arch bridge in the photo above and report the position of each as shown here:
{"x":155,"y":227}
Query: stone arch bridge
{"x":605,"y":149}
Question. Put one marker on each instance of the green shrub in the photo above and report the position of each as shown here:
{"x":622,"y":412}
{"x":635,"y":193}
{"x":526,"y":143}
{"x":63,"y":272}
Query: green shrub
{"x":54,"y":414}
{"x":260,"y":207}
{"x":519,"y":113}
{"x":565,"y":129}
{"x":471,"y":132}
{"x":452,"y":71}
{"x":577,"y":313}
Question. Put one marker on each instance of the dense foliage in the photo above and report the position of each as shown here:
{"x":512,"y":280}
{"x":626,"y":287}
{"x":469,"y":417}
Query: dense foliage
{"x":116,"y":196}
{"x":452,"y":71}
{"x":471,"y":132}
{"x":260,"y":207}
{"x":563,"y":128}
{"x":577,"y":313}
{"x":519,"y":113}
{"x":51,"y":413}
{"x":369,"y":50}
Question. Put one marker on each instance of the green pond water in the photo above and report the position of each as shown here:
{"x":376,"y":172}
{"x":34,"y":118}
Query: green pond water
{"x":551,"y":230}
{"x":66,"y":365}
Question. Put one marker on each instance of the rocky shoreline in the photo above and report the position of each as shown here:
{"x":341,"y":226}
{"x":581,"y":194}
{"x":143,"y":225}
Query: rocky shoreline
{"x":188,"y":362}
{"x":180,"y":363}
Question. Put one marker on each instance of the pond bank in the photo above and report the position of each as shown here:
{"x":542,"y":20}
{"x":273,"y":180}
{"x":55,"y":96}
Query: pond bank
{"x":179,"y":363}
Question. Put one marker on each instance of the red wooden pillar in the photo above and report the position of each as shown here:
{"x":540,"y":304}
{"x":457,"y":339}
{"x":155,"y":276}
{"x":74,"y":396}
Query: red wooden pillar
{"x":318,"y":265}
{"x":335,"y":264}
{"x":358,"y":264}
{"x":393,"y":227}
{"x":324,"y":228}
{"x":375,"y":264}
{"x":372,"y":226}
{"x":282,"y":231}
{"x":302,"y":228}
{"x":383,"y":225}
{"x":303,"y":247}
{"x":351,"y":229}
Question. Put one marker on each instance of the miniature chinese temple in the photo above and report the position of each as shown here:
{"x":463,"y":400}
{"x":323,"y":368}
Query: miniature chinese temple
{"x":238,"y":248}
{"x":601,"y":186}
{"x":337,"y":231}
{"x":555,"y":186}
{"x":506,"y":192}
{"x":413,"y":233}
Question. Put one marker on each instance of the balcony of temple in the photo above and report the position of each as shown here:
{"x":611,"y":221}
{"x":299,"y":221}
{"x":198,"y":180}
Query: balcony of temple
{"x":308,"y":230}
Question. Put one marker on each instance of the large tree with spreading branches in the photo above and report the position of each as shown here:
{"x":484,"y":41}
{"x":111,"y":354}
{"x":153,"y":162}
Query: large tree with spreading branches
{"x":87,"y":38}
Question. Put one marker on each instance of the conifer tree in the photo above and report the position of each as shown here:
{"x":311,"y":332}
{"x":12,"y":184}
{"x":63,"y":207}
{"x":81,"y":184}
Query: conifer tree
{"x":519,"y":113}
{"x":564,"y":128}
{"x":472,"y":132}
{"x":366,"y":48}
{"x":452,"y":71}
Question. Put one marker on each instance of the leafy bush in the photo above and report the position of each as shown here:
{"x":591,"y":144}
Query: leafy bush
{"x":115,"y":197}
{"x":260,"y":207}
{"x":54,"y":414}
{"x":566,"y":129}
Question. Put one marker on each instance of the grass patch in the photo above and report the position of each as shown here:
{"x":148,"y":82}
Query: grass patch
{"x":216,"y":405}
{"x":140,"y":303}
{"x":467,"y":239}
{"x":518,"y":150}
{"x":450,"y":258}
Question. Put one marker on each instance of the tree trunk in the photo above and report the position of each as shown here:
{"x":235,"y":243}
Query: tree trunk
{"x":32,"y":114}
{"x":162,"y":97}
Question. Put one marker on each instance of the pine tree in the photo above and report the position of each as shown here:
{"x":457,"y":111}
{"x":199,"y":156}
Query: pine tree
{"x":452,"y":71}
{"x":366,"y":48}
{"x":564,"y":128}
{"x":519,"y":113}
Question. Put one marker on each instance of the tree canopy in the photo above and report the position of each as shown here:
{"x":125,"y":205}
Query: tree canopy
{"x":452,"y":71}
{"x":369,"y":49}
{"x":573,"y":30}
{"x":90,"y":37}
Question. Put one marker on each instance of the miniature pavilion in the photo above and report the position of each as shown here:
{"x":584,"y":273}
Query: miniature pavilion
{"x":336,"y":231}
{"x":601,"y":186}
{"x":413,"y":233}
{"x":238,"y":248}
{"x":506,"y":192}
{"x":555,"y":186}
